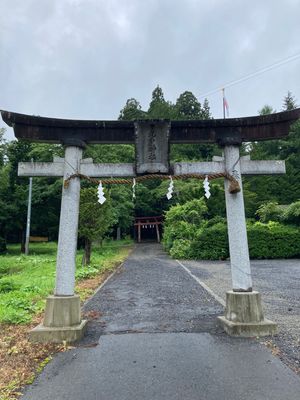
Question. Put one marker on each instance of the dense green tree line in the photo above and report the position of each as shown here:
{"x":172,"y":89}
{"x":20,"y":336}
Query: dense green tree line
{"x":151,"y":196}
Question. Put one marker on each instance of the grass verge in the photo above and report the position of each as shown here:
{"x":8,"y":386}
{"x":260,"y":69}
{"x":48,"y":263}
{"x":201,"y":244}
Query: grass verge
{"x":25,"y":281}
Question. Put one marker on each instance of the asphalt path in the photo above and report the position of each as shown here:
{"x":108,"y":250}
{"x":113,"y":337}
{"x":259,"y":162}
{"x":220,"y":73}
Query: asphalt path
{"x":153,"y":335}
{"x":278,"y":281}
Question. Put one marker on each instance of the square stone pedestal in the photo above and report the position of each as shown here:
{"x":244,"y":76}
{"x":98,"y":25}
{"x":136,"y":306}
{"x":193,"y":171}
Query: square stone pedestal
{"x":62,"y":321}
{"x":244,"y":316}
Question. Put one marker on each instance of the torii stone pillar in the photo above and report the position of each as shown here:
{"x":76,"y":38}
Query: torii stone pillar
{"x":62,"y":320}
{"x":236,"y":223}
{"x":243,"y":313}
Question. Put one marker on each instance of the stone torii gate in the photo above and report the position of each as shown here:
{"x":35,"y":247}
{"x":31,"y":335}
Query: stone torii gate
{"x":243,"y":313}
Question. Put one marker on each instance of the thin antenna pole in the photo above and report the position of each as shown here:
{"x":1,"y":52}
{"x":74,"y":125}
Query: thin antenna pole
{"x":28,"y":216}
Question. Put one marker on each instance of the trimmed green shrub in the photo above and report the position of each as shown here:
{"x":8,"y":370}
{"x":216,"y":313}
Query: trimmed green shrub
{"x":210,"y":243}
{"x":273,"y":240}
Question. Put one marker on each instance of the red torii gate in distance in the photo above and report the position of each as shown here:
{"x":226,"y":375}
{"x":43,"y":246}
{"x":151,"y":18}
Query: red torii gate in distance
{"x":147,"y":222}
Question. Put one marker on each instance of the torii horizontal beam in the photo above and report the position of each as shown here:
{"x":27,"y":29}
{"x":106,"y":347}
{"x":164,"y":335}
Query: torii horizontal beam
{"x":53,"y":130}
{"x":56,"y":168}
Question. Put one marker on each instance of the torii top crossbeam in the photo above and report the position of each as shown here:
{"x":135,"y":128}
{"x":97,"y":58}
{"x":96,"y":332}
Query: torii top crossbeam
{"x":53,"y":130}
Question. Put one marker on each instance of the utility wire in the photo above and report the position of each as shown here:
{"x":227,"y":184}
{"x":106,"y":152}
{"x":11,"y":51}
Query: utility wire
{"x":252,"y":75}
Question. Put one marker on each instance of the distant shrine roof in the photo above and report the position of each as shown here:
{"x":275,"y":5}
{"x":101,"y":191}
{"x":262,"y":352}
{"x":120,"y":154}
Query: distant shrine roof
{"x":247,"y":129}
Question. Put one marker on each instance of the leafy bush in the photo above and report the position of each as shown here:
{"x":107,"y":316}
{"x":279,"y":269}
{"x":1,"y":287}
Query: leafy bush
{"x":21,"y":303}
{"x":3,"y":270}
{"x":270,"y":211}
{"x":2,"y":245}
{"x":16,"y":307}
{"x":13,"y":316}
{"x":181,"y":248}
{"x":272,"y":240}
{"x":215,"y":220}
{"x":292,"y":213}
{"x":182,"y":221}
{"x":180,"y":230}
{"x":7,"y":285}
{"x":192,"y":212}
{"x":87,"y":272}
{"x":210,"y":243}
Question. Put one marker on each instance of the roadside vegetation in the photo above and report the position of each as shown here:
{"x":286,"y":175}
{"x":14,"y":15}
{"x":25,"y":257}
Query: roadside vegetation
{"x":25,"y":282}
{"x":190,"y":234}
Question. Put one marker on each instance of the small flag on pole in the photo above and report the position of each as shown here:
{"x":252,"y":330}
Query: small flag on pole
{"x":225,"y":105}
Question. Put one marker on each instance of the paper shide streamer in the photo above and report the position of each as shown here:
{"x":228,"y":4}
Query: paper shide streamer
{"x":101,"y":197}
{"x":170,"y":189}
{"x":133,"y":188}
{"x":206,"y":187}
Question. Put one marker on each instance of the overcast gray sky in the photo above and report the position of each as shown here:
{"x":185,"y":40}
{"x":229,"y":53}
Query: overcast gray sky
{"x":84,"y":58}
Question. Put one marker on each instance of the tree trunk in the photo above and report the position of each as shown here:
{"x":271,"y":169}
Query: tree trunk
{"x":87,"y":251}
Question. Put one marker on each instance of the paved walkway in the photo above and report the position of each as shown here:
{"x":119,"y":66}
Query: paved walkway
{"x":154,"y":336}
{"x":279,"y":283}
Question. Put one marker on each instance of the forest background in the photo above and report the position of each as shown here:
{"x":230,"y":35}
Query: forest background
{"x":189,"y":217}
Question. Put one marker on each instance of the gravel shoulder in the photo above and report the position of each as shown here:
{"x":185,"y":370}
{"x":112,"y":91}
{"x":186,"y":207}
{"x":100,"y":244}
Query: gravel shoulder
{"x":278,"y":281}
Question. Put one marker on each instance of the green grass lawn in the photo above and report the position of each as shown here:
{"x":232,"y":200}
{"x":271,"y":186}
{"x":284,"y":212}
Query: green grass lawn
{"x":25,"y":281}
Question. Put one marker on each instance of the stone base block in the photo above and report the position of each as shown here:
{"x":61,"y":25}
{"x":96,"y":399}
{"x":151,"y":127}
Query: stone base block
{"x":244,"y":316}
{"x":62,"y":321}
{"x":62,"y":311}
{"x":240,"y":329}
{"x":48,"y":334}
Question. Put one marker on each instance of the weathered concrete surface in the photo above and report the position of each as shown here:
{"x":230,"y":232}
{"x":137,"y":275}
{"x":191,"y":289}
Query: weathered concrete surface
{"x":68,"y":226}
{"x":56,"y":168}
{"x":278,"y":281}
{"x":248,"y":329}
{"x":69,"y":334}
{"x":248,"y":167}
{"x":167,"y":366}
{"x":244,"y":316}
{"x":180,"y":354}
{"x":243,"y":307}
{"x":62,"y":321}
{"x":236,"y":223}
